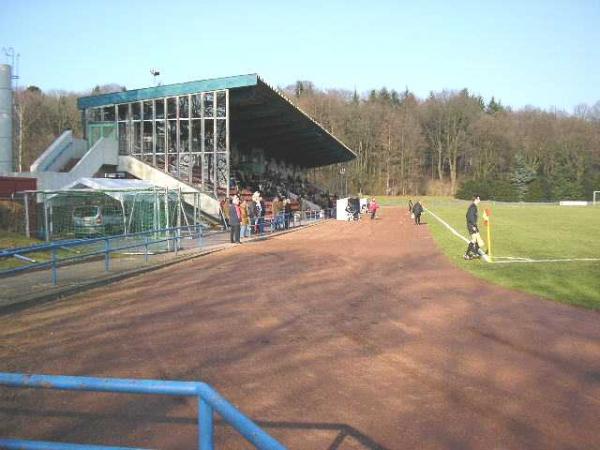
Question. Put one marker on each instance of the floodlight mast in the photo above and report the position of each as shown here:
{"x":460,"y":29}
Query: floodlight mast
{"x":155,"y":73}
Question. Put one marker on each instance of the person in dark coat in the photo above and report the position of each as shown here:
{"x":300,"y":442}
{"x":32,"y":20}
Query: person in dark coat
{"x":417,"y":211}
{"x":251,"y":217}
{"x":235,"y":219}
{"x":473,"y":230}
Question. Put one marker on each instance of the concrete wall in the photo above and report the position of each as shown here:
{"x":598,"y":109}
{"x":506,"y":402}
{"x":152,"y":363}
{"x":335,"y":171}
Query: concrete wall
{"x":50,"y":181}
{"x":104,"y":151}
{"x":59,"y":153}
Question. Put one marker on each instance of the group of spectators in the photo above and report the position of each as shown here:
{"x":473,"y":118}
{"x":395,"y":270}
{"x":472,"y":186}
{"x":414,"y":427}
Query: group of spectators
{"x":248,"y":217}
{"x":354,"y":210}
{"x":271,"y":183}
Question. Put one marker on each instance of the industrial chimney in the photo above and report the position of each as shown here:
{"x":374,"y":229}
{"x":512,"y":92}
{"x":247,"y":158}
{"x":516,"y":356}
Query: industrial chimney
{"x":6,"y":155}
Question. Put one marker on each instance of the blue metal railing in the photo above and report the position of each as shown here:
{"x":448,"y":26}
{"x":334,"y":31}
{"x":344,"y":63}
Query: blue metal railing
{"x":291,"y":220}
{"x":108,"y":245}
{"x":103,"y":246}
{"x":209,"y":400}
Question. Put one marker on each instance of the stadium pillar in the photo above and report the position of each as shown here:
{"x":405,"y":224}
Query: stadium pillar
{"x":168,"y":235}
{"x":26,"y":205}
{"x":46,"y":234}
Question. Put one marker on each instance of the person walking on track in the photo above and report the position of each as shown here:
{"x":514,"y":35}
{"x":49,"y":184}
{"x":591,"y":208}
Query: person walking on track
{"x":417,"y":211}
{"x":373,"y":207}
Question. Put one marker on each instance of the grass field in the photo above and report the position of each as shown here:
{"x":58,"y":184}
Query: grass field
{"x":10,"y":240}
{"x":527,"y":231}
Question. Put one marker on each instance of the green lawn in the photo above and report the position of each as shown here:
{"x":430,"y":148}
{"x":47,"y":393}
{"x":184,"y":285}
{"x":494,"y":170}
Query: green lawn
{"x":530,"y":231}
{"x":10,"y":240}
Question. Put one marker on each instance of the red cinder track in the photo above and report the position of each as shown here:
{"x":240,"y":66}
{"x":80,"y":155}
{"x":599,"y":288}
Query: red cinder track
{"x":341,"y":336}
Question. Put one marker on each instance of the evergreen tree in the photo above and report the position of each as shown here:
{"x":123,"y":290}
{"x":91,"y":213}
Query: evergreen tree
{"x":565,"y":185}
{"x":522,"y":175}
{"x":494,"y":106}
{"x":384,"y":95}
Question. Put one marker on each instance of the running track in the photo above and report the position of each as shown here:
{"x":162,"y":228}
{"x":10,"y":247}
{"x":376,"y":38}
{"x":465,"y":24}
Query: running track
{"x":341,"y":336}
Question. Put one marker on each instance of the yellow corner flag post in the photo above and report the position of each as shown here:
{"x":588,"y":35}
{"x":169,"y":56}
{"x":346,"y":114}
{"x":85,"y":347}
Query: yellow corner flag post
{"x":486,"y":220}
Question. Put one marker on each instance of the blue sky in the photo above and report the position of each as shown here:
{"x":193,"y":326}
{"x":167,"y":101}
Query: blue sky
{"x":540,"y":53}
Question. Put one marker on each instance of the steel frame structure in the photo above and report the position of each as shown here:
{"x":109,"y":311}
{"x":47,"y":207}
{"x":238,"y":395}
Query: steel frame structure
{"x":187,"y":135}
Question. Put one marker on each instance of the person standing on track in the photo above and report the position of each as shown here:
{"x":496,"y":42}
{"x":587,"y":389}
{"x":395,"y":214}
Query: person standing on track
{"x":276,"y":207}
{"x":473,"y":230}
{"x":261,"y":216}
{"x":287,"y":213}
{"x":257,"y":211}
{"x":417,"y":211}
{"x":235,"y":218}
{"x":373,"y":207}
{"x":245,"y":225}
{"x":251,"y":217}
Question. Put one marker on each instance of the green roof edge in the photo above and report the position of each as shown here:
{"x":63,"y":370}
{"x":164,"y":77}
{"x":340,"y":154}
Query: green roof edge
{"x":168,"y":90}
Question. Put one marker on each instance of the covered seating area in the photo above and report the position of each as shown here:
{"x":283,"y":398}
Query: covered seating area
{"x":217,"y":135}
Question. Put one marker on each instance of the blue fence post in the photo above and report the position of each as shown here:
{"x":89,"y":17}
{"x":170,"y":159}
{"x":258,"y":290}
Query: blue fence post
{"x":209,"y":401}
{"x":205,"y":425}
{"x":145,"y":248}
{"x":107,"y":255}
{"x":199,"y":231}
{"x":54,"y":275}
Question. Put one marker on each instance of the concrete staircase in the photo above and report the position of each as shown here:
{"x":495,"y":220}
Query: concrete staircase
{"x":68,"y":159}
{"x":139,"y":169}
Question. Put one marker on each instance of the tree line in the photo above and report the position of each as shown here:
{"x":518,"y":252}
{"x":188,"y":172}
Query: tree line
{"x":40,"y":117}
{"x":456,"y":143}
{"x":450,"y":143}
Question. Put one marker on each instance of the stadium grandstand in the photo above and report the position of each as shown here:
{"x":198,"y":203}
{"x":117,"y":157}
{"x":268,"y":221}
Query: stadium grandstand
{"x":213,"y":137}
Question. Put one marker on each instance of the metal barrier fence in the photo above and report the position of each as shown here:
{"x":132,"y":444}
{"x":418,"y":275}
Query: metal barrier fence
{"x":209,"y":400}
{"x":284,"y":221}
{"x":99,"y":246}
{"x":65,"y":252}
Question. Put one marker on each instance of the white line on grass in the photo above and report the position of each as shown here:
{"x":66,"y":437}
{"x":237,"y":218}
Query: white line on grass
{"x":456,"y":233}
{"x":509,"y":259}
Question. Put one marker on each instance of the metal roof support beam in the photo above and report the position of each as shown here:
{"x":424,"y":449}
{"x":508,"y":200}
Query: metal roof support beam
{"x":275,"y":143}
{"x":271,"y":132}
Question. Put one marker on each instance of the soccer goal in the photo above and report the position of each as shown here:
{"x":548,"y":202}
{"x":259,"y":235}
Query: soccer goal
{"x":595,"y":199}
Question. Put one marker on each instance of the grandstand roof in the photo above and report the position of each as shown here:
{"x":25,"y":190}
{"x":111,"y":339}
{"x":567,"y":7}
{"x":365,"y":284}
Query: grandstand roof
{"x":260,"y":117}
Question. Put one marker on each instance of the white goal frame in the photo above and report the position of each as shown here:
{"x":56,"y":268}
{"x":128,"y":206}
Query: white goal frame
{"x":595,"y":198}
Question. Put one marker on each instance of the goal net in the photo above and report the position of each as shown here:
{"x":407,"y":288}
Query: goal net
{"x":83,"y":213}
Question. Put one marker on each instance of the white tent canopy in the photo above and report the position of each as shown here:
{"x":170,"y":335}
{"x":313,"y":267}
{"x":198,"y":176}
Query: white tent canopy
{"x":115,"y":188}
